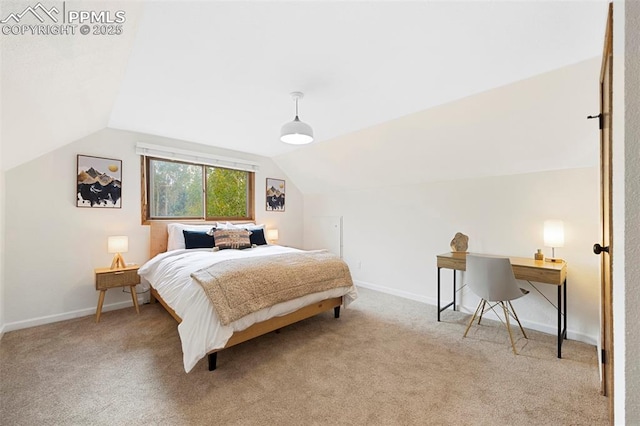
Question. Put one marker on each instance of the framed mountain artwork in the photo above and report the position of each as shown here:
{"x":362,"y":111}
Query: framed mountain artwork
{"x":99,"y":182}
{"x":275,"y":195}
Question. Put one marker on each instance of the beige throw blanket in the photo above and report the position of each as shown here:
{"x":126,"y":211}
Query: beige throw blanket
{"x":238,"y":287}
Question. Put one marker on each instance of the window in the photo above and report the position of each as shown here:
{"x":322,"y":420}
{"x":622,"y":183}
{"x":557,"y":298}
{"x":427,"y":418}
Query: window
{"x":176,"y":189}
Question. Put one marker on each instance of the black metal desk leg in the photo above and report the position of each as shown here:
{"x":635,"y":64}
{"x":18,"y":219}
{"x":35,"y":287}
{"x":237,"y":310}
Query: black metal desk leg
{"x":454,"y":289}
{"x":564,"y":333}
{"x":440,"y":307}
{"x":438,"y":294}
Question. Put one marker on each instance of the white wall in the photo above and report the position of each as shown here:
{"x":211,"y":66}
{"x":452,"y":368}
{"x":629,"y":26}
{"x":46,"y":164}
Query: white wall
{"x":494,"y":166}
{"x":2,"y":228}
{"x":393,"y":234}
{"x":632,"y":212}
{"x":626,"y":215}
{"x":52,"y":246}
{"x":2,"y":237}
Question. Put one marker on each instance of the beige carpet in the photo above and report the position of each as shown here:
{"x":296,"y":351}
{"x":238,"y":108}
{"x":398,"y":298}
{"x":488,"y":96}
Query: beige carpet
{"x":386,"y":361}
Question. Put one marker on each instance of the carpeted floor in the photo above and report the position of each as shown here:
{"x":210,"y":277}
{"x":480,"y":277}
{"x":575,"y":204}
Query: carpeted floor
{"x":386,"y":361}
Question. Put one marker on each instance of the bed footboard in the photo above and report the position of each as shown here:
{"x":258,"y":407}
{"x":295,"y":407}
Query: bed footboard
{"x":155,"y":297}
{"x":276,"y":323}
{"x":264,"y":327}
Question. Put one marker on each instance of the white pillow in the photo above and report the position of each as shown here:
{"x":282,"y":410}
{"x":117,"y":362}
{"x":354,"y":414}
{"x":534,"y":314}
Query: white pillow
{"x":224,"y":225}
{"x":175,"y":238}
{"x":248,"y":226}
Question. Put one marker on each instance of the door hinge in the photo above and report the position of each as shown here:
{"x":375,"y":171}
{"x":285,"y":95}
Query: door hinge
{"x":603,"y":356}
{"x":600,"y":118}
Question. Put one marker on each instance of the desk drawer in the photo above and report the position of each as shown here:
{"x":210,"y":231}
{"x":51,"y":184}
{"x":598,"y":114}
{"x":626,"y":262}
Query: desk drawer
{"x":117,"y":279}
{"x":459,"y":264}
{"x":548,"y":276}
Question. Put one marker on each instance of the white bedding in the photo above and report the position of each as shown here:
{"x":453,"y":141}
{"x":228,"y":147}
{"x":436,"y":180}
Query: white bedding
{"x":200,"y":330}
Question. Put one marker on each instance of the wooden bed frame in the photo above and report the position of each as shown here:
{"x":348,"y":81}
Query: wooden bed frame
{"x":158,"y":244}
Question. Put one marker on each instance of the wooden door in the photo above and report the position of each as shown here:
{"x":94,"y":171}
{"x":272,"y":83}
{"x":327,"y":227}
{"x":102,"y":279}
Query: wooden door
{"x":605,"y":251}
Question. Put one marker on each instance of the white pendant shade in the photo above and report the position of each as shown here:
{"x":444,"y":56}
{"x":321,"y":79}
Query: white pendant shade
{"x":296,"y":132}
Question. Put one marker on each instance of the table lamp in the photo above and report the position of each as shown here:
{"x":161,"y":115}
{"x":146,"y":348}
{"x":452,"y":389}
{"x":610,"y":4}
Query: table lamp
{"x":272,"y":235}
{"x":118,"y":244}
{"x":553,"y":237}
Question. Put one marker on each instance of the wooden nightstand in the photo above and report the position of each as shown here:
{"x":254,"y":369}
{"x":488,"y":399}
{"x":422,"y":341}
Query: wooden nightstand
{"x":107,"y":278}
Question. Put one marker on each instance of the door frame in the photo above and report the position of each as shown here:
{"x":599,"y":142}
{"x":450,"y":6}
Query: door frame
{"x":606,"y":193}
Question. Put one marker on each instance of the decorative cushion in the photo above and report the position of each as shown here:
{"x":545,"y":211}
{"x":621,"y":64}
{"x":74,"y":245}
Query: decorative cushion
{"x":197,"y":239}
{"x":176,"y":237}
{"x":231,"y":239}
{"x":257,"y":237}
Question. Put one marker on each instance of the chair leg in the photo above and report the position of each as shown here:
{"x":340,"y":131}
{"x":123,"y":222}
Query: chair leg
{"x":472,"y":318}
{"x":506,"y":316}
{"x":484,"y":302}
{"x":516,"y":317}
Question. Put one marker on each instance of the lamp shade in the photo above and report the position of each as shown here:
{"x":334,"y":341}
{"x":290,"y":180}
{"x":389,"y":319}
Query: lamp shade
{"x":296,"y":132}
{"x":553,"y":233}
{"x":272,"y":234}
{"x":118,"y":244}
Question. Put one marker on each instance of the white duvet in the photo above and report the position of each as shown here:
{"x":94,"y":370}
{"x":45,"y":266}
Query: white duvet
{"x":200,"y":330}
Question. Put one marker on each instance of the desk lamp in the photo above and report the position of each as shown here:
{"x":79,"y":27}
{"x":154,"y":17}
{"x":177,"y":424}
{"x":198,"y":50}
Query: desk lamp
{"x":118,"y":244}
{"x":272,"y":235}
{"x":553,"y":237}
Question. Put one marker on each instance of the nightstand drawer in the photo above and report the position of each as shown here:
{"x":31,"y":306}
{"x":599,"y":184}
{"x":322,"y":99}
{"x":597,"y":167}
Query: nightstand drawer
{"x":117,"y":279}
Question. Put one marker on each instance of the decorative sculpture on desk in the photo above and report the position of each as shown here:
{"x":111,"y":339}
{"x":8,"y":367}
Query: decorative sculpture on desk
{"x":460,"y":242}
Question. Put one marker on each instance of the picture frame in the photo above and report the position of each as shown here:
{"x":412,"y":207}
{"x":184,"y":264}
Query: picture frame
{"x":99,"y":182}
{"x":275,"y":195}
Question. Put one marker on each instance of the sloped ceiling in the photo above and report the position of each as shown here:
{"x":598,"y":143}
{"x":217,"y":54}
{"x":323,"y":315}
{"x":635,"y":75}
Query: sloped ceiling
{"x":58,"y":88}
{"x":220,"y":73}
{"x":533,"y":125}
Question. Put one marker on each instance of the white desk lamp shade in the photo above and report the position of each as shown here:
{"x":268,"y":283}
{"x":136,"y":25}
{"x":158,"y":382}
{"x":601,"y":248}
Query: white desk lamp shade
{"x":553,"y":233}
{"x":553,"y":237}
{"x":118,"y":244}
{"x":272,"y":234}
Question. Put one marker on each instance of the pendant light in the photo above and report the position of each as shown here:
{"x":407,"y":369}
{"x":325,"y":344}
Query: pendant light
{"x":296,"y":132}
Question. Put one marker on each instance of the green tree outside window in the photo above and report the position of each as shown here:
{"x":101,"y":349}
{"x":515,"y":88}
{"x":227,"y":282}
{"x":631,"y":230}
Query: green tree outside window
{"x":185,"y":190}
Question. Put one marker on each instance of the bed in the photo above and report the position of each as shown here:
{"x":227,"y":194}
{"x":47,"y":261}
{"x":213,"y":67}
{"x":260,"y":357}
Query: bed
{"x":170,"y":275}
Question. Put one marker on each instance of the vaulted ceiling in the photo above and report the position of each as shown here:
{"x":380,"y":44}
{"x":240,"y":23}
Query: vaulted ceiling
{"x":220,"y":73}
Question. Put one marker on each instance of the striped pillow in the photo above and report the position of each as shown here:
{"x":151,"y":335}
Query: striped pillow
{"x":232,"y":238}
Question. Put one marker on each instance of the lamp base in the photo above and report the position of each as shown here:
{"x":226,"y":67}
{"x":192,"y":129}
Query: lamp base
{"x":553,"y":260}
{"x":118,"y":262}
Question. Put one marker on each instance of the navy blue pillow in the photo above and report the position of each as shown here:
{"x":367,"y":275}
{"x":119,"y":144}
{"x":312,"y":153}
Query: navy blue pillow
{"x":195,"y":239}
{"x":257,"y":237}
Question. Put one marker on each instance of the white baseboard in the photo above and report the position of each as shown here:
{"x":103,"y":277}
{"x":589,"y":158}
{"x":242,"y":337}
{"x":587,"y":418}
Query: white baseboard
{"x":533,"y":325}
{"x":544,"y":328}
{"x":396,"y":292}
{"x":18,"y":325}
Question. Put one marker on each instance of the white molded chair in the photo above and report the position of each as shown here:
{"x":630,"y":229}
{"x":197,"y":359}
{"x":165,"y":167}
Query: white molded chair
{"x":492,"y":279}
